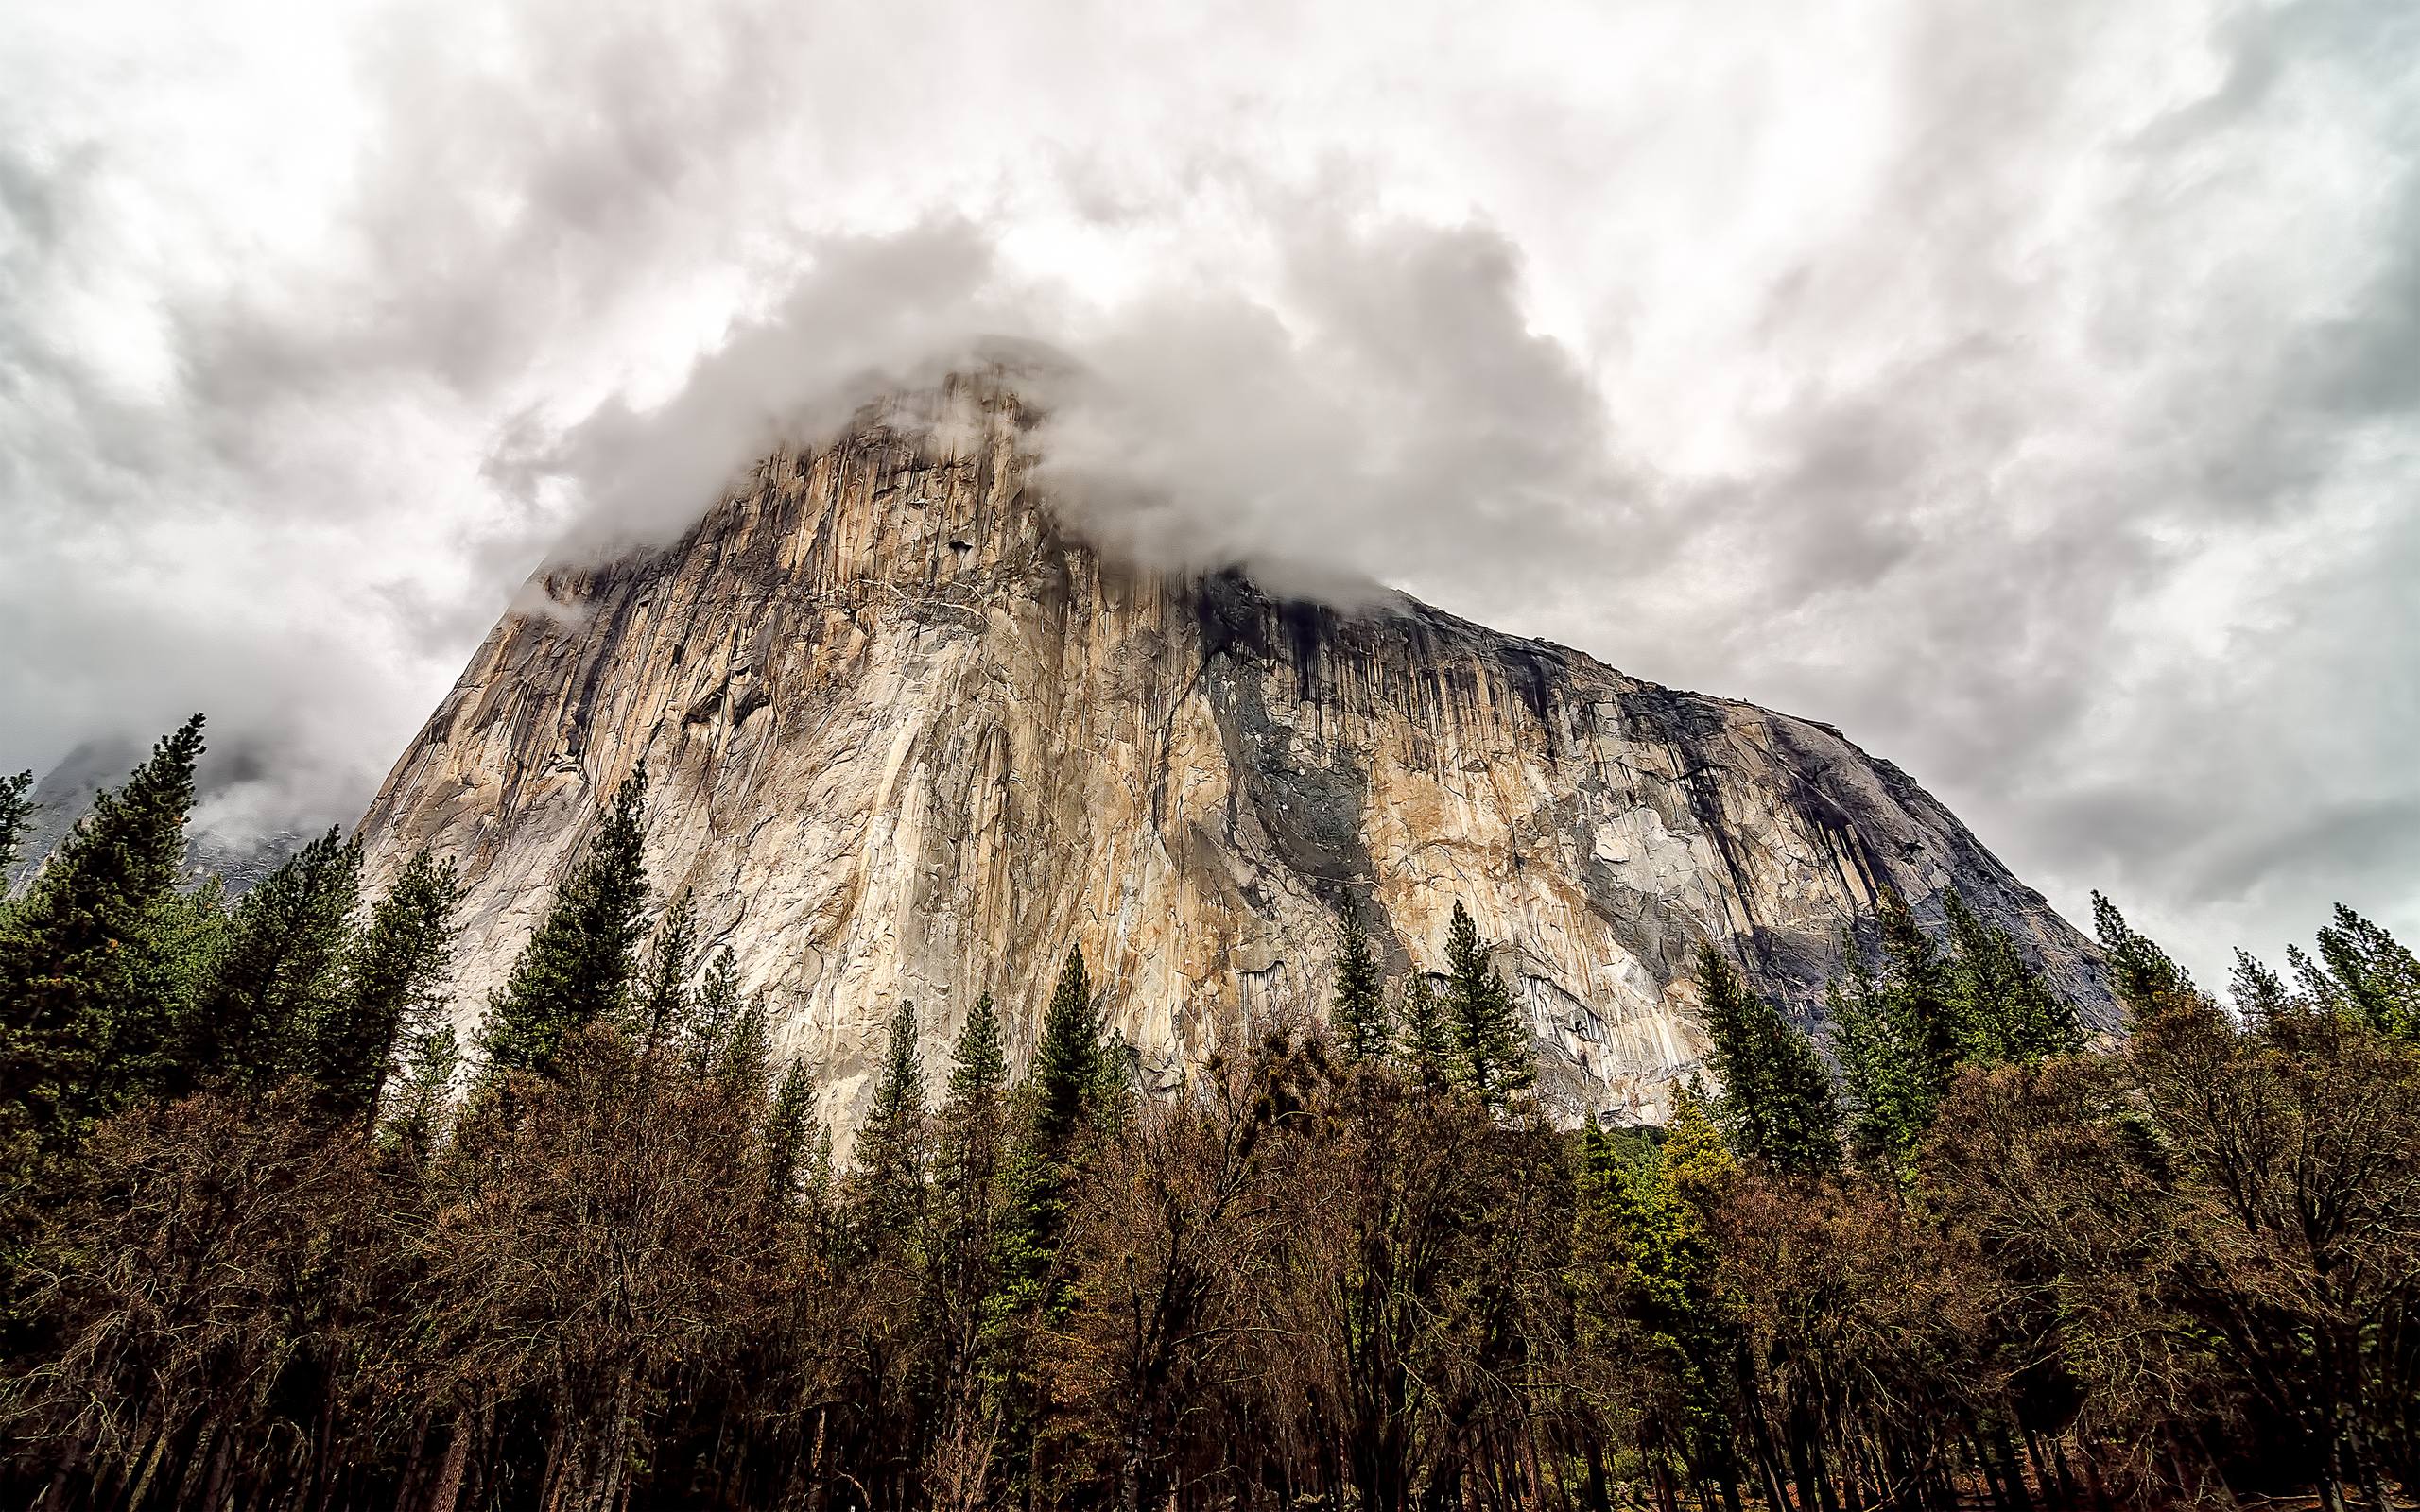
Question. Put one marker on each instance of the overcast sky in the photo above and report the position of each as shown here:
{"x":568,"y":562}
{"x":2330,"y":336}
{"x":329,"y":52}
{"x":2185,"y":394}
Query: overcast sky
{"x":2031,"y":389}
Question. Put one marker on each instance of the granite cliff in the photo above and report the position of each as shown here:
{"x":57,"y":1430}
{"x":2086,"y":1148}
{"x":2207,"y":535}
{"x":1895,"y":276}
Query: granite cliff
{"x":910,"y":739}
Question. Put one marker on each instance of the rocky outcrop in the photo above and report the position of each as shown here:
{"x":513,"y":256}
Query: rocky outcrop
{"x":909,"y":739}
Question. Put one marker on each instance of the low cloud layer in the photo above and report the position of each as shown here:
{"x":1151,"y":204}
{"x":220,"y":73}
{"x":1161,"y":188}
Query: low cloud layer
{"x":2029,"y":391}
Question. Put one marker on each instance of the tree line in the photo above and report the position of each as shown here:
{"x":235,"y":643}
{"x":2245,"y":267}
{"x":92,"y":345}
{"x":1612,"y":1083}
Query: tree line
{"x":270,"y":1237}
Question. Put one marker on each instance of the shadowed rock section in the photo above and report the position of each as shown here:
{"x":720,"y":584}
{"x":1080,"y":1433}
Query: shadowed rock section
{"x":910,"y":740}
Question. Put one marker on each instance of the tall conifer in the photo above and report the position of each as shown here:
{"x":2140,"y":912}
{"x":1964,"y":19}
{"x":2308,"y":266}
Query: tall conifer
{"x":1891,"y":1084}
{"x":412,"y":1119}
{"x":281,"y":973}
{"x":787,"y":1147}
{"x":92,"y":977}
{"x":2140,"y":973}
{"x":968,"y":1167}
{"x":891,"y":1147}
{"x":579,"y":965}
{"x":662,"y":997}
{"x":1064,"y":1074}
{"x":1495,"y":1055}
{"x":1358,"y":1014}
{"x":711,"y":1012}
{"x":1427,"y":1041}
{"x":745,"y":1063}
{"x":395,"y":988}
{"x":1777,"y":1103}
{"x":2003,"y":1007}
{"x":2374,"y":976}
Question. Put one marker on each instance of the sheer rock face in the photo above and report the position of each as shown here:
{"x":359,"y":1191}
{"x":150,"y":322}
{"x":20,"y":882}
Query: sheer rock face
{"x":908,"y":739}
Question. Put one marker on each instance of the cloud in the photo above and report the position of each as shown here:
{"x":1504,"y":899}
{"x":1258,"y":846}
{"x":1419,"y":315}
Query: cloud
{"x":2025,"y":390}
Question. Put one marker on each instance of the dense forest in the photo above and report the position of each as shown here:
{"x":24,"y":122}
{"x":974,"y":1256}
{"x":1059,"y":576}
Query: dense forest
{"x":270,"y":1237}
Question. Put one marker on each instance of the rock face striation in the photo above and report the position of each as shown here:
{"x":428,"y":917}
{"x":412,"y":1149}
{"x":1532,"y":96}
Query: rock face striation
{"x":909,"y":739}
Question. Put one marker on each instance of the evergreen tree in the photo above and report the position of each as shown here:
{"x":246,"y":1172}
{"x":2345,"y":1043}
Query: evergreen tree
{"x":713,"y":1014}
{"x":2001,"y":1008}
{"x":1066,"y":1064}
{"x":395,"y":988}
{"x":891,"y":1147}
{"x":2259,"y":994}
{"x":1891,"y":1084}
{"x":2371,"y":975}
{"x":746,"y":1061}
{"x":968,"y":1167}
{"x":663,"y":998}
{"x":1110,"y":1100}
{"x":1737,"y":1054}
{"x":1059,"y":1084}
{"x":16,"y":817}
{"x":1806,"y":1125}
{"x":787,"y":1150}
{"x":97,"y":960}
{"x":415,"y":1116}
{"x":1777,"y":1103}
{"x":1920,"y":987}
{"x":281,"y":975}
{"x":1358,"y":1014}
{"x":972,"y":1122}
{"x":979,"y":1065}
{"x":1027,"y":1282}
{"x":2140,"y":973}
{"x":1900,"y":1036}
{"x":1427,"y":1041}
{"x":1494,"y":1054}
{"x":1669,"y":1270}
{"x":579,"y":964}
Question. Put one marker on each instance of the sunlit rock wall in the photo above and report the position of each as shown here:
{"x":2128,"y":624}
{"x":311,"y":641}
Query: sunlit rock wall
{"x":907,"y":739}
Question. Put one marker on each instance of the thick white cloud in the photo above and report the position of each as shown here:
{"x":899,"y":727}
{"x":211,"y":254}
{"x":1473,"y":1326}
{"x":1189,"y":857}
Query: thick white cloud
{"x":2027,"y":390}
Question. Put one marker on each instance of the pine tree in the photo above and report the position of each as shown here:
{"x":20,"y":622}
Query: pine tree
{"x":1891,"y":1085}
{"x":1428,"y":1039}
{"x":2140,"y":973}
{"x":891,"y":1147}
{"x":1027,"y":1284}
{"x":745,"y":1064}
{"x":979,"y":1064}
{"x":2259,"y":994}
{"x":577,"y":966}
{"x":1110,"y":1100}
{"x":972,"y":1117}
{"x":1919,"y":986}
{"x":787,"y":1150}
{"x":2373,"y":975}
{"x":16,"y":817}
{"x":1669,"y":1267}
{"x":414,"y":1118}
{"x":97,"y":961}
{"x":1733,"y":1027}
{"x":1059,"y":1084}
{"x":1065,"y":1067}
{"x":662,"y":997}
{"x":1495,"y":1056}
{"x":713,"y":1012}
{"x":968,"y":1167}
{"x":395,"y":988}
{"x":281,"y":974}
{"x":1777,"y":1103}
{"x":1358,"y":1014}
{"x":2001,"y":1008}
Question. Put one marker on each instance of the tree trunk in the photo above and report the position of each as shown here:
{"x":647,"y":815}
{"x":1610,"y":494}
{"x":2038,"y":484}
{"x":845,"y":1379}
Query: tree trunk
{"x":615,"y":1450}
{"x":457,"y":1458}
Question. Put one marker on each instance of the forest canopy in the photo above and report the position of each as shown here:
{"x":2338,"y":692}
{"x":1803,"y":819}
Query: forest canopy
{"x":272,"y":1235}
